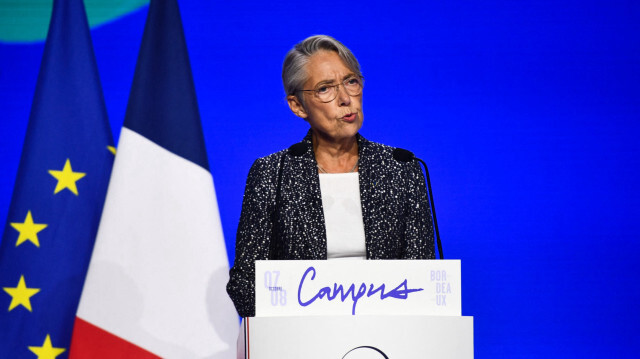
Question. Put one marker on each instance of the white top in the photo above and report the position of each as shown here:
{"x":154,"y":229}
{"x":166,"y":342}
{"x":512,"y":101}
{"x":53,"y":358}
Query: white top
{"x":343,"y":215}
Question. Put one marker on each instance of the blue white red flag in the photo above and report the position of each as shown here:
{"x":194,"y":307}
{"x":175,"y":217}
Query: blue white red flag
{"x":156,"y":282}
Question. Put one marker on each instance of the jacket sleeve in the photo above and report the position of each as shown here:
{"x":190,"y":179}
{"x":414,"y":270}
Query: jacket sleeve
{"x":419,"y":239}
{"x":253,"y":236}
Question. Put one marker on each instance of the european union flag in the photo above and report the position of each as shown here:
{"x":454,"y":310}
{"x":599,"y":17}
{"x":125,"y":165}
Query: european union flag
{"x":58,"y":195}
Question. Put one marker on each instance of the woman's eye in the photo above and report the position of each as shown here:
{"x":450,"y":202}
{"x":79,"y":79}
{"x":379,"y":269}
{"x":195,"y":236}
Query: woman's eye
{"x":353,"y":81}
{"x":322,"y":89}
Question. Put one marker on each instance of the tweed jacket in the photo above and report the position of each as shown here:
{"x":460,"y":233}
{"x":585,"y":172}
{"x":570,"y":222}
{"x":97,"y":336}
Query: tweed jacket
{"x":288,"y":222}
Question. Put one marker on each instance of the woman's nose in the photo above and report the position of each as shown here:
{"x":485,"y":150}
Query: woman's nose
{"x":343,"y":97}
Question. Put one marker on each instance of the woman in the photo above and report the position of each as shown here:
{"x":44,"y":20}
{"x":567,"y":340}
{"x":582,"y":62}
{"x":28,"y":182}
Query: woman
{"x":335,"y":194}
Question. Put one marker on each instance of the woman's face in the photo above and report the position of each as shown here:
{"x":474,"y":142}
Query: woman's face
{"x":335,"y":120}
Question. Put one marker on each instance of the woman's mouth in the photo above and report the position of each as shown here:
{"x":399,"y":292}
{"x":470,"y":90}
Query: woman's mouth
{"x":349,"y":117}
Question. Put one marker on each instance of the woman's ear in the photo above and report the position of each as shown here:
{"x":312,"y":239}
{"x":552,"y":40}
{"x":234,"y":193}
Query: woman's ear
{"x":296,"y":106}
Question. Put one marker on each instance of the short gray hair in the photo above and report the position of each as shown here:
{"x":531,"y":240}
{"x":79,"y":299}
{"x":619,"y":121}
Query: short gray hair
{"x":294,"y":74}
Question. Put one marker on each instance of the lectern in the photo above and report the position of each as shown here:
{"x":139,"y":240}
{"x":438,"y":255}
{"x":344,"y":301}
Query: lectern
{"x":358,"y":309}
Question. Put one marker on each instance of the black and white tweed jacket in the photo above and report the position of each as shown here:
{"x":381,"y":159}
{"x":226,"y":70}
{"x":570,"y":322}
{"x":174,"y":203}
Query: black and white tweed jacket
{"x":395,"y":210}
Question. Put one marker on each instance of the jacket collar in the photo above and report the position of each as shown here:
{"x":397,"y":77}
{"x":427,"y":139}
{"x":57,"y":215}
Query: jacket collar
{"x":366,"y":181}
{"x":363,"y":147}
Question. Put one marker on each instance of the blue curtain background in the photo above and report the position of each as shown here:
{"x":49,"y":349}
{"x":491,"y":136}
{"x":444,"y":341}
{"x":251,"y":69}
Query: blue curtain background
{"x":528,"y":114}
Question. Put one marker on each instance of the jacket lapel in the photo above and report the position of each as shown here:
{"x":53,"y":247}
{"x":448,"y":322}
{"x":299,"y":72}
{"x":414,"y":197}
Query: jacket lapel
{"x":303,"y":190}
{"x":367,"y":193}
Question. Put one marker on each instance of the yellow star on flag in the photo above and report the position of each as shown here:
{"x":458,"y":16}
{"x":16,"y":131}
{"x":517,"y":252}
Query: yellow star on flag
{"x":21,"y":295}
{"x":47,"y":351}
{"x":112,"y":149}
{"x":28,"y":230}
{"x":66,"y":178}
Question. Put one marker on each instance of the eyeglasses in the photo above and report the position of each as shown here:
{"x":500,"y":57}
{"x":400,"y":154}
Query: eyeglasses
{"x":326,"y":93}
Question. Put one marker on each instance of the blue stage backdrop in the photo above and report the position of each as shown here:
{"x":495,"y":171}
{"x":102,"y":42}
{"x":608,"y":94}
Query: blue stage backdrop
{"x":527,"y":112}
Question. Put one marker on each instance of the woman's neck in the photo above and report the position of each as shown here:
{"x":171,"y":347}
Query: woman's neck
{"x":335,"y":156}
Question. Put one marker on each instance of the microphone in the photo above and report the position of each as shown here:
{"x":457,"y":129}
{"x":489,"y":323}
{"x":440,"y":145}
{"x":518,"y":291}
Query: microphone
{"x":295,"y":150}
{"x":402,"y":155}
{"x":298,"y":149}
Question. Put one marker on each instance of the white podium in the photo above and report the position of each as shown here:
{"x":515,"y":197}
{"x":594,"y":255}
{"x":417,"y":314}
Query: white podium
{"x":358,"y":310}
{"x":359,"y":337}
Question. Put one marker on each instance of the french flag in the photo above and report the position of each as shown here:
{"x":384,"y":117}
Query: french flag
{"x":156,"y":281}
